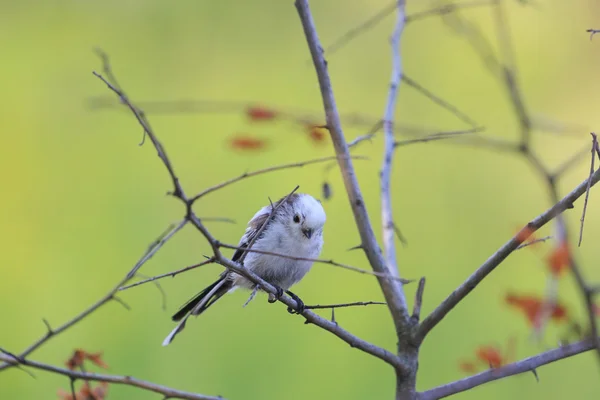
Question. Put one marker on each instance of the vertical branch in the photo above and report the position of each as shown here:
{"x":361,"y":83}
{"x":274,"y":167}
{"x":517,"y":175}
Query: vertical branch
{"x":387,"y":219}
{"x":391,"y":289}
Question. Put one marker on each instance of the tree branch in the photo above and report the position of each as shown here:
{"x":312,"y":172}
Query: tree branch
{"x":264,"y":171}
{"x":311,"y":317}
{"x":51,"y":332}
{"x":120,"y":380}
{"x":318,"y":260}
{"x":500,"y":255}
{"x":387,"y":216}
{"x":392,"y":290}
{"x":526,"y":365}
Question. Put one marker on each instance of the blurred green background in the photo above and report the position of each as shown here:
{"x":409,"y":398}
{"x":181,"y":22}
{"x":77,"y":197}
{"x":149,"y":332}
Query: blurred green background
{"x":81,"y":201}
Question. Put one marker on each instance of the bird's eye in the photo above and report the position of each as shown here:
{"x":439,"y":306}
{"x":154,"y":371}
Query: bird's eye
{"x":297,"y":218}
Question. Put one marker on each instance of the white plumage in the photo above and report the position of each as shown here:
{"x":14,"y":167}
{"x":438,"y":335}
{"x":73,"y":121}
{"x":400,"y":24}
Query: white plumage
{"x":295,"y":230}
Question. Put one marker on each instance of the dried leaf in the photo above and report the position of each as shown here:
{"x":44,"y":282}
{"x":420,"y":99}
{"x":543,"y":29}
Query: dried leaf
{"x":260,"y":114}
{"x":241,"y":142}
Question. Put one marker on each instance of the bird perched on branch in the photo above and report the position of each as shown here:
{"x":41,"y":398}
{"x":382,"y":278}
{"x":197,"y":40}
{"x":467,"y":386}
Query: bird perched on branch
{"x":293,"y":227}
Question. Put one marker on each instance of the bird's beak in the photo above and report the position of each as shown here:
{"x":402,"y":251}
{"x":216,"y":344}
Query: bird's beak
{"x":307,"y":232}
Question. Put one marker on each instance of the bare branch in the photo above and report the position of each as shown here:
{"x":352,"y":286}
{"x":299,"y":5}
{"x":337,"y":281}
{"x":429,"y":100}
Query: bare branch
{"x":168,"y":274}
{"x":116,"y":379}
{"x":439,"y":101}
{"x":392,"y":290}
{"x":52,"y":332}
{"x":264,"y":171}
{"x":343,"y":305}
{"x":218,"y":257}
{"x":523,"y":366}
{"x":373,"y":21}
{"x":387,"y":216}
{"x":437,"y":136}
{"x":139,"y":115}
{"x":318,"y":260}
{"x":446,"y":9}
{"x":500,"y":255}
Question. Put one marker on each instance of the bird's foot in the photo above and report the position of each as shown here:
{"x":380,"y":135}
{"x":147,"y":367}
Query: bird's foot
{"x":274,"y":297}
{"x":299,"y":304}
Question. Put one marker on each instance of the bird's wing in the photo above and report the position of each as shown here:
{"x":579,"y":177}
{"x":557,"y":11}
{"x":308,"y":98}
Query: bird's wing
{"x":251,"y":231}
{"x":257,"y":222}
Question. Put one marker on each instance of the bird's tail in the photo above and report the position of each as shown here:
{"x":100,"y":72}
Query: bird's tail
{"x":198,"y":304}
{"x":214,"y":293}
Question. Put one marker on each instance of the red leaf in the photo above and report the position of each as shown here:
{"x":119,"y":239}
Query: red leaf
{"x":247,"y":143}
{"x":533,"y":307}
{"x":490,"y":355}
{"x":76,"y":359}
{"x":96,"y":358}
{"x":559,"y":259}
{"x":260,"y":114}
{"x":316,"y":133}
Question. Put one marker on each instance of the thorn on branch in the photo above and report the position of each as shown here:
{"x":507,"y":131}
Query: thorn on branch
{"x":589,"y":186}
{"x":121,"y":302}
{"x":416,"y":316}
{"x":358,"y":247}
{"x":399,"y":234}
{"x":592,"y":32}
{"x":537,"y":378}
{"x":49,"y":331}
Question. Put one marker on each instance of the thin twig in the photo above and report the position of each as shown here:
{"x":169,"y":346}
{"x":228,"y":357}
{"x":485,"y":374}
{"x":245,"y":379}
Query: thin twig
{"x":519,"y":367}
{"x":500,"y":255}
{"x":139,"y":115}
{"x":587,"y":192}
{"x":437,"y":136}
{"x":168,"y":274}
{"x":116,"y":379}
{"x":534,"y":241}
{"x":374,"y":20}
{"x":264,"y":171}
{"x":318,"y":260}
{"x":439,"y":101}
{"x":343,"y":305}
{"x":108,"y":297}
{"x":387,"y":218}
{"x":353,"y":341}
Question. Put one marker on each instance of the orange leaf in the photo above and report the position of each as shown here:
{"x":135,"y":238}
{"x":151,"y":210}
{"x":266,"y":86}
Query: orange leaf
{"x":260,"y":114}
{"x":559,"y":259}
{"x":247,"y":143}
{"x":533,"y":307}
{"x":96,"y":358}
{"x":490,"y":355}
{"x":316,"y":133}
{"x":76,"y":359}
{"x":100,"y":391}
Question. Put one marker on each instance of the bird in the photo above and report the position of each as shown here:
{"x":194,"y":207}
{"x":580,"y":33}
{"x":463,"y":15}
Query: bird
{"x":295,"y":229}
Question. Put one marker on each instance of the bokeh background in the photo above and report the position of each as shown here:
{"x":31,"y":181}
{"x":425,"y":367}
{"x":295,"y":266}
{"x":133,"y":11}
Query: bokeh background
{"x":81,"y":201}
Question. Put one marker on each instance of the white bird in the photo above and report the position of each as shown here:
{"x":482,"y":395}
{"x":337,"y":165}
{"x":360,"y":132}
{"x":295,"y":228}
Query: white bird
{"x":295,"y":230}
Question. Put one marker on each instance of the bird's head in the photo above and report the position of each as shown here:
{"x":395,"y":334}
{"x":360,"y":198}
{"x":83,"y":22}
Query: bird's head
{"x":306,"y":217}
